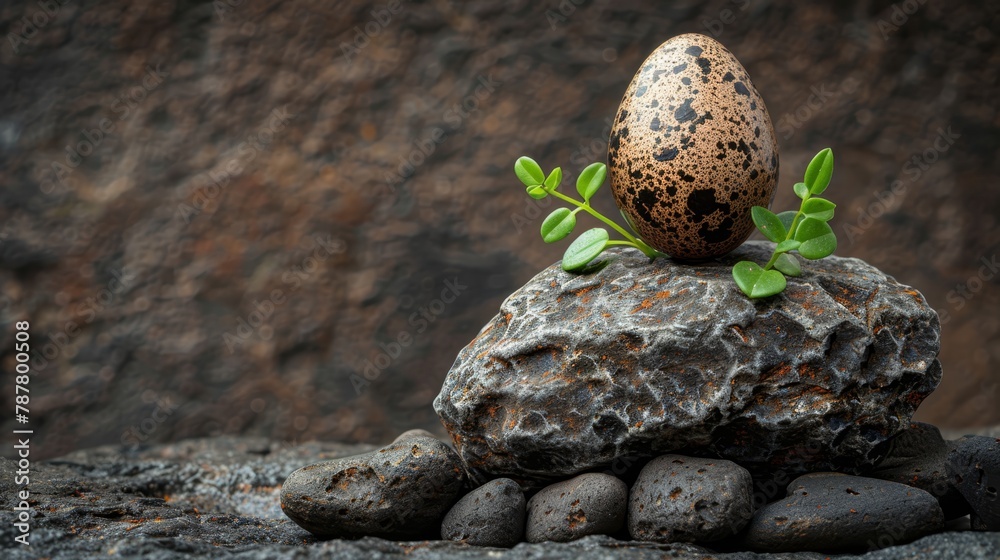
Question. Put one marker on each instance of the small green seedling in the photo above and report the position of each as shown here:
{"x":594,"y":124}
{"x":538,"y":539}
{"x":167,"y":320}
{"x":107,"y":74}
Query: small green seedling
{"x":561,"y":221}
{"x":805,"y":231}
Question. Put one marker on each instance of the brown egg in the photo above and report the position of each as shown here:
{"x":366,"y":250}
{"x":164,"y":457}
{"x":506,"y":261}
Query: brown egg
{"x":692,"y":149}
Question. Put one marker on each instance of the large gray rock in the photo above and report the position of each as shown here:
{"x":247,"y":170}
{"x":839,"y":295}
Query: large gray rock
{"x":641,"y":359}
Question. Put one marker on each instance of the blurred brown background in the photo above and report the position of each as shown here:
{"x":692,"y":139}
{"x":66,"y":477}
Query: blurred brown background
{"x":215,"y":143}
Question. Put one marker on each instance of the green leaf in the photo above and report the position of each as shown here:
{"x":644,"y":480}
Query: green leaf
{"x":818,"y":208}
{"x":553,"y":180}
{"x":757,"y":282}
{"x":820,"y":171}
{"x":811,"y":228}
{"x":537,"y":191}
{"x":818,"y":239}
{"x":591,"y":179}
{"x":801,"y":190}
{"x":584,"y":249}
{"x":768,"y":224}
{"x":787,"y":217}
{"x":819,"y":247}
{"x":528,"y":171}
{"x":787,"y":245}
{"x":788,"y":264}
{"x":558,"y":225}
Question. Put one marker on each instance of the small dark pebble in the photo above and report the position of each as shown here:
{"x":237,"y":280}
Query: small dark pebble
{"x":918,"y":457}
{"x":491,"y":515}
{"x":589,"y":504}
{"x":974,"y":467}
{"x":689,"y":499}
{"x":400,"y":491}
{"x":830,"y":512}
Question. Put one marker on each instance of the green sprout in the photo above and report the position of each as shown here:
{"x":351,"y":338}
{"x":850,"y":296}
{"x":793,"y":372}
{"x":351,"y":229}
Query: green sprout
{"x":805,"y":231}
{"x":561,"y":221}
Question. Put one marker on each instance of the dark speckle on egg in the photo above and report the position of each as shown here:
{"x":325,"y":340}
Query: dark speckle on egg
{"x":690,"y":158}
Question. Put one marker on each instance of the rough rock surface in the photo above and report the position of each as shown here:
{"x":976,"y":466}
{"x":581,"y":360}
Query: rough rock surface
{"x":974,"y":465}
{"x":688,"y":499}
{"x":400,"y":491}
{"x":589,"y":504}
{"x":491,"y":515}
{"x":642,"y":359}
{"x":833,"y":512}
{"x":416,"y":432}
{"x":223,"y":503}
{"x":918,"y":457}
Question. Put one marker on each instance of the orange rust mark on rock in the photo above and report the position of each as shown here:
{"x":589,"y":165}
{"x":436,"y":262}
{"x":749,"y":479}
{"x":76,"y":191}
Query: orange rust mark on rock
{"x":576,"y":518}
{"x":739,"y":332}
{"x":663,"y":280}
{"x":646,"y":304}
{"x":582,"y":292}
{"x":915,"y":295}
{"x":914,"y":398}
{"x":780,"y":370}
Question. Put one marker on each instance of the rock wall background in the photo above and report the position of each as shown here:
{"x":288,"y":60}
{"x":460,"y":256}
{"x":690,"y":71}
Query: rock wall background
{"x":268,"y":152}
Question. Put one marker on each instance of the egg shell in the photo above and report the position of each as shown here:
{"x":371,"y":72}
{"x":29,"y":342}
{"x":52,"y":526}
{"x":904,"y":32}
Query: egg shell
{"x":692,"y":150}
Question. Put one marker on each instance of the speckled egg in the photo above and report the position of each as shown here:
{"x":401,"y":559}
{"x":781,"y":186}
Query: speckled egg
{"x":692,"y":149}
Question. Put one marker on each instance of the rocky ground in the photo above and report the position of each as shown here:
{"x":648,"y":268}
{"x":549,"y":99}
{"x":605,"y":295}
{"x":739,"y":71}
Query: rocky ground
{"x":218,"y":498}
{"x":832,"y":74}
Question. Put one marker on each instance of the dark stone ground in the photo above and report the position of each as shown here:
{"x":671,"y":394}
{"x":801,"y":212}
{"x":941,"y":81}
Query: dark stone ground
{"x":218,"y":498}
{"x":160,"y":341}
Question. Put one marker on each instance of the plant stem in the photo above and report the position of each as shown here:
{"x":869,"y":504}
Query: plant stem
{"x":646,"y":249}
{"x":774,"y":259}
{"x":789,"y":235}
